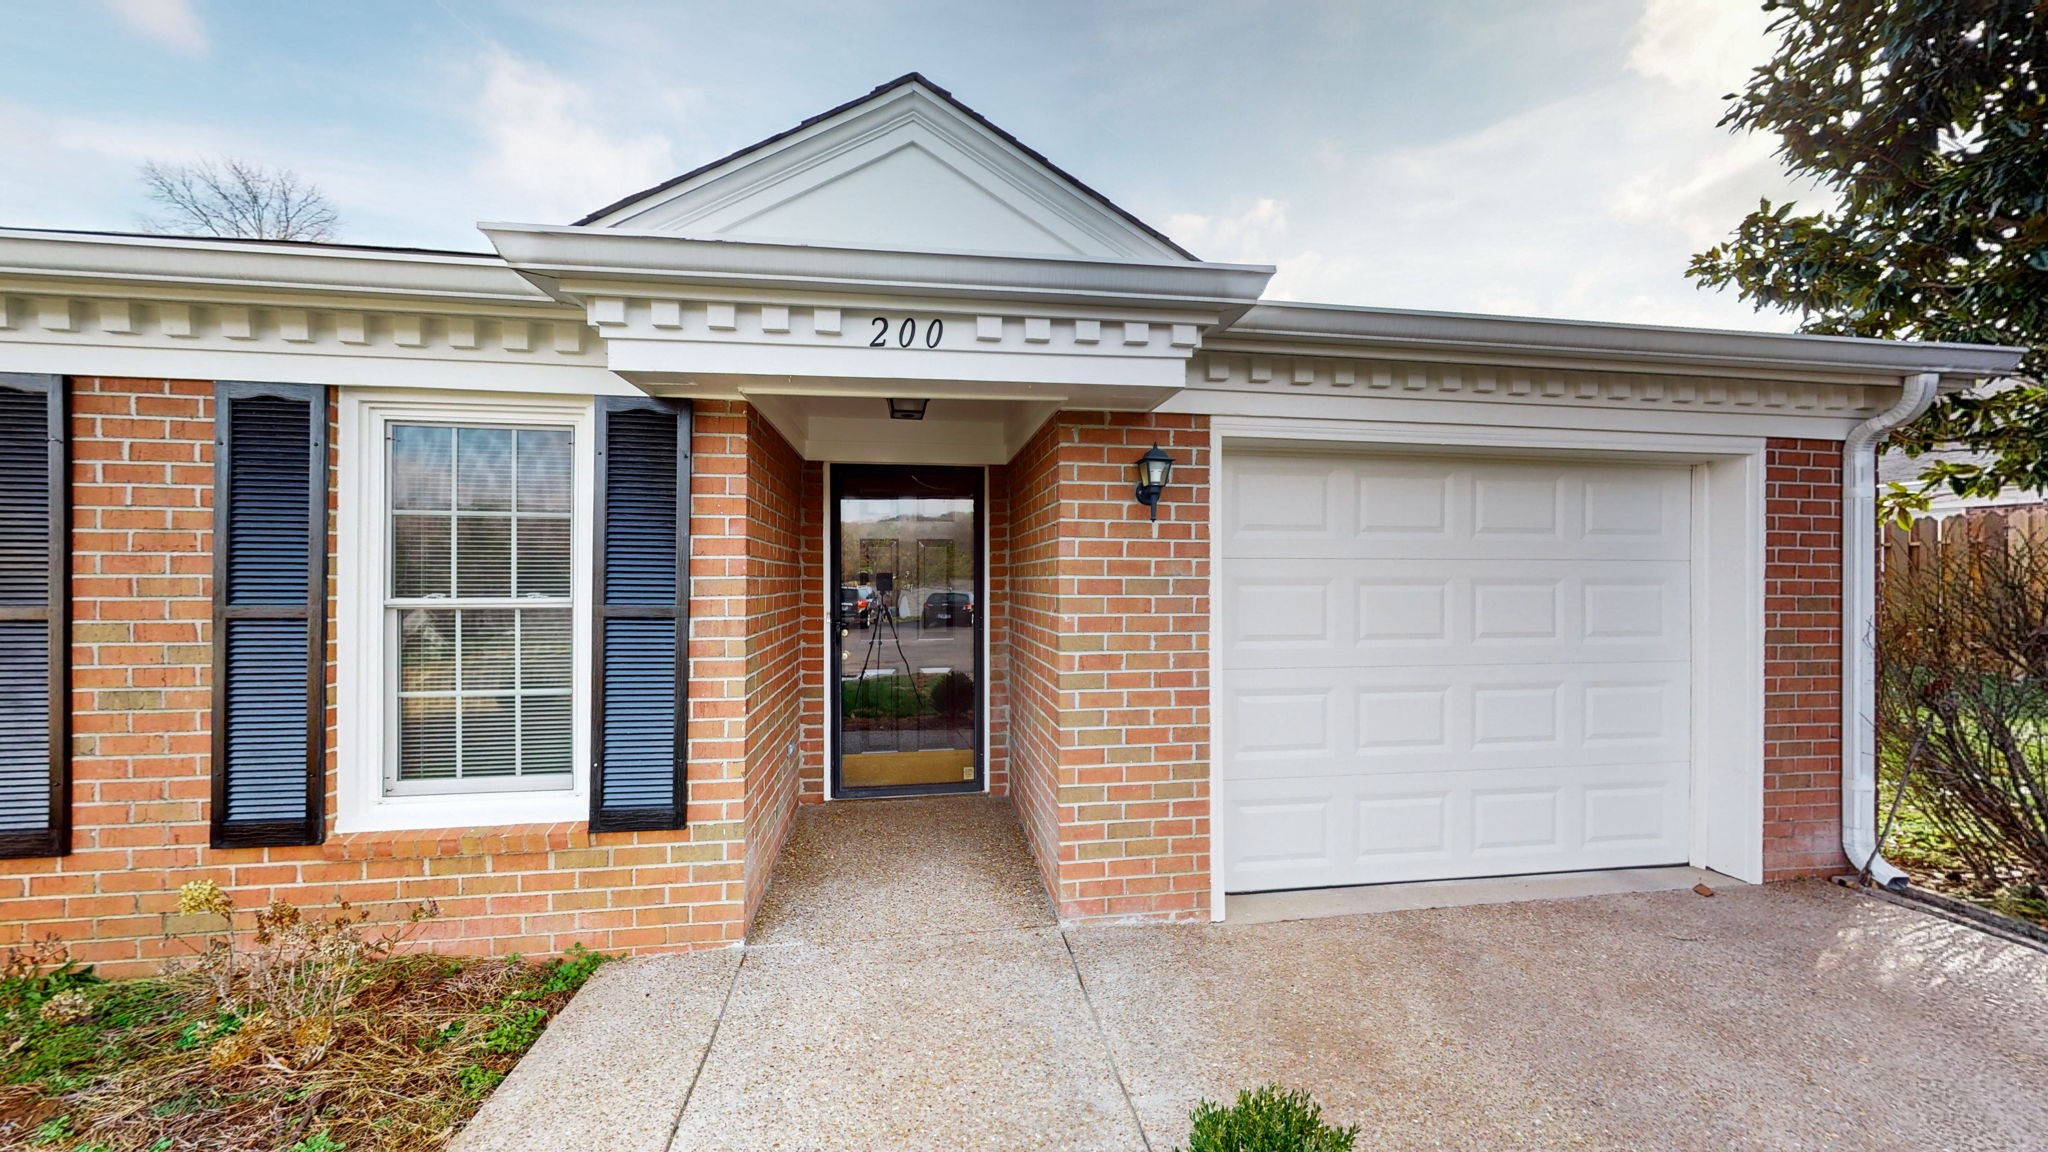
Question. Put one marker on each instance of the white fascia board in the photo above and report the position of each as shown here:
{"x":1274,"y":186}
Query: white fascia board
{"x":1333,"y":328}
{"x":659,"y":358}
{"x":1510,"y":423}
{"x":303,"y":367}
{"x":550,"y":254}
{"x":239,"y":266}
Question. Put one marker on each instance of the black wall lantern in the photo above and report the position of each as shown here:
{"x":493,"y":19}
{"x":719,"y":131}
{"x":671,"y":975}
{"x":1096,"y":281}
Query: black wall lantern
{"x":1155,"y":470}
{"x":907,"y":409}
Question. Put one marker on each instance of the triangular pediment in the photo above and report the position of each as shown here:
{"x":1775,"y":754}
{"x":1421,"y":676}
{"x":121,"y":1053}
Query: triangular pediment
{"x":906,"y":167}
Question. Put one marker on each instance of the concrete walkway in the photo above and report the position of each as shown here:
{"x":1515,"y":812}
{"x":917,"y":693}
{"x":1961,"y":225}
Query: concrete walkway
{"x":907,"y":987}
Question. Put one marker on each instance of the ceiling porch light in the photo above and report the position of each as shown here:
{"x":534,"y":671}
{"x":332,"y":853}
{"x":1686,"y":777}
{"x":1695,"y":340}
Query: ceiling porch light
{"x":907,"y":409}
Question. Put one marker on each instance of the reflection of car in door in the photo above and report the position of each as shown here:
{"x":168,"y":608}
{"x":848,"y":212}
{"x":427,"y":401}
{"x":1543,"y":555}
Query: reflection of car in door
{"x":948,"y":609}
{"x":855,"y":610}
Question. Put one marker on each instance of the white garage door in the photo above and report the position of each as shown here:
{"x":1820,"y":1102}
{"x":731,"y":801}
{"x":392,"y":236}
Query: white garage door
{"x":1451,"y":667}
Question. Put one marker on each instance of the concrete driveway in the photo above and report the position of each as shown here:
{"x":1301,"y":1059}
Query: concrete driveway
{"x":907,"y":987}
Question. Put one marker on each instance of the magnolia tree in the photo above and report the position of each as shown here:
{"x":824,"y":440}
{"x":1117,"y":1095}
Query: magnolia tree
{"x":1925,"y":125}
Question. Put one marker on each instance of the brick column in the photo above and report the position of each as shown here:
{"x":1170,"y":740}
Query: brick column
{"x":1107,"y":669}
{"x":774,"y":627}
{"x":1803,"y":659}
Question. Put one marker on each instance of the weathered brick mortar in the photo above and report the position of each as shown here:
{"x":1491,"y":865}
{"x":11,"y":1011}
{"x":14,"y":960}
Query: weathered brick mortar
{"x":1108,"y":666}
{"x":142,"y":524}
{"x":1803,"y":659}
{"x":1099,"y":699}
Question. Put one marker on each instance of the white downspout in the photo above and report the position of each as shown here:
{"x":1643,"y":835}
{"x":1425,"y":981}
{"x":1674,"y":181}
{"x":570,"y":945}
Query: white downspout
{"x":1859,"y":620}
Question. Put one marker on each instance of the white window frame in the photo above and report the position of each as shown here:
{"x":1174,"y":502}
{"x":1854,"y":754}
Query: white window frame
{"x":365,"y":699}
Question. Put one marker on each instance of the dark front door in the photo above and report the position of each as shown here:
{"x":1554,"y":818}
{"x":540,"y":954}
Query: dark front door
{"x":907,"y":619}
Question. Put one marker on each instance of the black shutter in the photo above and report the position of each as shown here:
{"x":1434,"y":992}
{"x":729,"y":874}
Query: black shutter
{"x":642,"y":631}
{"x":269,"y":613}
{"x":35,"y":548}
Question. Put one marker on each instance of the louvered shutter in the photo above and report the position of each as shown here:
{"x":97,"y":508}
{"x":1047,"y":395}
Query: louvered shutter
{"x":35,"y":768}
{"x":269,"y":612}
{"x":643,"y":608}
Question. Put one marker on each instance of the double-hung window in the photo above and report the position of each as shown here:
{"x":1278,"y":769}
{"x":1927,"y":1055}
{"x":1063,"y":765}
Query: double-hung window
{"x":464,"y":611}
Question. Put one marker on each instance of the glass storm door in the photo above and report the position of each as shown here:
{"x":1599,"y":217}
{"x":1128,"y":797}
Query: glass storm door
{"x":906,"y":618}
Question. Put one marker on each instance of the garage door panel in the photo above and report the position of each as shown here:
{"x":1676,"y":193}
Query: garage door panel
{"x":1337,"y":721}
{"x":1438,"y":667}
{"x":1409,"y":509}
{"x":1414,"y":826}
{"x":1288,"y":832}
{"x":1281,"y":612}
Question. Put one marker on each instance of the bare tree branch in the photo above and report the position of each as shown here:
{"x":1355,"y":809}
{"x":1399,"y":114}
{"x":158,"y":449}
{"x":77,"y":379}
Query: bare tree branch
{"x":231,"y":197}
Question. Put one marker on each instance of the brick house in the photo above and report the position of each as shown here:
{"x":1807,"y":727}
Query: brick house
{"x":548,"y":582}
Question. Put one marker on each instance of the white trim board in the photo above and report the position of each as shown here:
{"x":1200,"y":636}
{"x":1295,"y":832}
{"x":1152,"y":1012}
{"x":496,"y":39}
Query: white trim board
{"x":362,"y":697}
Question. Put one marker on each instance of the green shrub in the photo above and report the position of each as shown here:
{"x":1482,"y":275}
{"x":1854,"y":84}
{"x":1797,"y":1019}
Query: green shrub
{"x":1268,"y":1119}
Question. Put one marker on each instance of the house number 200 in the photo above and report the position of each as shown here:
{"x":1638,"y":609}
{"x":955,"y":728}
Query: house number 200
{"x":906,"y":333}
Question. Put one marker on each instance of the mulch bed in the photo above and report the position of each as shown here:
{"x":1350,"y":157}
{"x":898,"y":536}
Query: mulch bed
{"x":157,"y":1065}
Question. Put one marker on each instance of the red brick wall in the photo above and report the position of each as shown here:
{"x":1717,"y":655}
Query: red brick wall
{"x":816,"y":634}
{"x":1109,"y":693}
{"x":1803,"y":659}
{"x":995,"y":617}
{"x":142,"y":488}
{"x":1031,"y":654}
{"x":774,"y":627}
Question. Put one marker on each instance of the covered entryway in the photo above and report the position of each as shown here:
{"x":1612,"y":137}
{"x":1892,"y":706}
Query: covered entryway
{"x":1437,"y":667}
{"x":906,"y":632}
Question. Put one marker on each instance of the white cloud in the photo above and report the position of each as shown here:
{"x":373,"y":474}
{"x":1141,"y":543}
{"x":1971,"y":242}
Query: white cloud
{"x":1247,"y":235}
{"x":1588,"y":205}
{"x":547,"y":149}
{"x":175,"y":24}
{"x":1703,"y":47}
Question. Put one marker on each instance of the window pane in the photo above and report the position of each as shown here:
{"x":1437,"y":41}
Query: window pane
{"x":422,"y":462}
{"x":483,"y":556}
{"x":483,"y":469}
{"x":489,"y":736}
{"x":544,"y":735}
{"x":488,"y":653}
{"x":543,"y":557}
{"x":419,"y":555}
{"x":482,"y":513}
{"x":426,"y":738}
{"x":426,"y":650}
{"x":545,"y":467}
{"x":544,"y":648}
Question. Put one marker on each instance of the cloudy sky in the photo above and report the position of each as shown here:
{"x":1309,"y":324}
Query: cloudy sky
{"x":1535,"y":157}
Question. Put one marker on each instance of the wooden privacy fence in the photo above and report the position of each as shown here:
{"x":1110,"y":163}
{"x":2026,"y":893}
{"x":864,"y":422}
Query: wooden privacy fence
{"x":1951,"y":538}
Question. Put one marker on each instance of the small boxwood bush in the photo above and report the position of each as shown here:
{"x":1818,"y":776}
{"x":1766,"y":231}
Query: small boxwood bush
{"x":1268,"y":1119}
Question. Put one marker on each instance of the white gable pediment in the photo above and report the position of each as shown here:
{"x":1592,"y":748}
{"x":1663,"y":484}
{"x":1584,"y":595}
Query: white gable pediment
{"x":906,"y":168}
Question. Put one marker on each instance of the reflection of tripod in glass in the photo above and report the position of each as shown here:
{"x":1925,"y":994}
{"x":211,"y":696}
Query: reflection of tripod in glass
{"x":885,"y":617}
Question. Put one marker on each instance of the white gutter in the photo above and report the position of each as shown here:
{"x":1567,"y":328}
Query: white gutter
{"x":1859,"y":619}
{"x":1630,"y":347}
